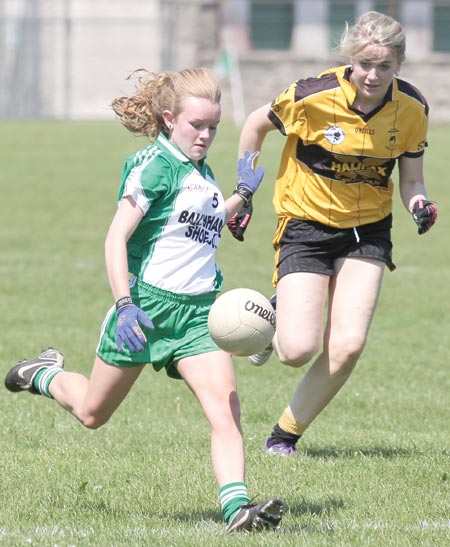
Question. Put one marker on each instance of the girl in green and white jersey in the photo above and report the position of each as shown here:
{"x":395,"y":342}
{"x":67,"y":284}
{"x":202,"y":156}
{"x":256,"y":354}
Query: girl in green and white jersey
{"x":165,"y":234}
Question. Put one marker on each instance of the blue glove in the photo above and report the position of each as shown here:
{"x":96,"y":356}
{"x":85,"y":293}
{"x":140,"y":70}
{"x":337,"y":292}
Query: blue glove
{"x":249,"y":178}
{"x":128,"y":330}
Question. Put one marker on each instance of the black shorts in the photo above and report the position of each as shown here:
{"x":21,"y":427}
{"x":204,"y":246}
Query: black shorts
{"x":308,"y":246}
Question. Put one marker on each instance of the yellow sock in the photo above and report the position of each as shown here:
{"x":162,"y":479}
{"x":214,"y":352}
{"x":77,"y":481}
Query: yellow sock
{"x":288,"y":424}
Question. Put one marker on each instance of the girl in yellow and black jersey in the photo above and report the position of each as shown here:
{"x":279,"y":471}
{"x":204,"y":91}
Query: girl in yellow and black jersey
{"x":346,"y":130}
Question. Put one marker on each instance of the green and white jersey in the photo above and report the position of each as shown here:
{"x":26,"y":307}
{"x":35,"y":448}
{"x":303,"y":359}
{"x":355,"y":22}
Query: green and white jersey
{"x":173,"y":247}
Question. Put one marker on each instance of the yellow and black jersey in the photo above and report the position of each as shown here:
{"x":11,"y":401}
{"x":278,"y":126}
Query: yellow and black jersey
{"x":337,"y":162}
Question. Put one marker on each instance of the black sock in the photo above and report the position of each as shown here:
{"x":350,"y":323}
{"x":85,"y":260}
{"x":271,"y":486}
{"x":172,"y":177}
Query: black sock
{"x":279,"y":434}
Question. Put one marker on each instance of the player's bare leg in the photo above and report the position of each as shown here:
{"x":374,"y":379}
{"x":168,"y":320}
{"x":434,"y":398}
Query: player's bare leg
{"x":301,"y":299}
{"x":93,"y":401}
{"x":353,"y":294}
{"x":353,"y":298}
{"x":212,"y":379}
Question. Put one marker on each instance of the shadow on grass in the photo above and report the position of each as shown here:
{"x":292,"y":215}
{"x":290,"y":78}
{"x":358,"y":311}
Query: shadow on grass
{"x":323,"y":508}
{"x":198,"y":516}
{"x":355,"y":452}
{"x":201,"y":518}
{"x":194,"y":517}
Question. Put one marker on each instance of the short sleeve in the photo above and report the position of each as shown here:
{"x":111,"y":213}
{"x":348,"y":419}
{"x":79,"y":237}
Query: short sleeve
{"x":284,"y":112}
{"x":145,"y":181}
{"x":416,"y":147}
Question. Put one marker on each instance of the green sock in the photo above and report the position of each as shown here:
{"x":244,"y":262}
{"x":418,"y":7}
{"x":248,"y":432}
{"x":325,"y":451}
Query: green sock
{"x":43,"y":378}
{"x":231,"y":497}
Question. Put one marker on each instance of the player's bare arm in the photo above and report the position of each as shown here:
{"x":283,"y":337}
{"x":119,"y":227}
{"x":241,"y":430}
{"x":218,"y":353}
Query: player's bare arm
{"x":412,"y":186}
{"x":127,"y":217}
{"x":255,"y":129}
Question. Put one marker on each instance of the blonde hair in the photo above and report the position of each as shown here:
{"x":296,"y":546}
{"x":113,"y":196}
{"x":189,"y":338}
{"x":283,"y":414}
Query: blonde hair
{"x":142,"y":112}
{"x":373,"y":28}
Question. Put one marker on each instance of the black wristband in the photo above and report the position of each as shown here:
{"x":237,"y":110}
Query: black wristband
{"x":245,"y":193}
{"x":123,"y":302}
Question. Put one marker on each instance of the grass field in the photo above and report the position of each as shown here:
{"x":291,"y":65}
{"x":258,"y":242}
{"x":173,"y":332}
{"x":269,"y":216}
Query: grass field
{"x":374,"y":469}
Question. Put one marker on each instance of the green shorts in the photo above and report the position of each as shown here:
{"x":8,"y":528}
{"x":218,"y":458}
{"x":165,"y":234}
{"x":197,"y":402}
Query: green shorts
{"x":181,"y":329}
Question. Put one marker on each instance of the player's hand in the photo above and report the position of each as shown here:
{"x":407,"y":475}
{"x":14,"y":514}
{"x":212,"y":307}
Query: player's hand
{"x":239,"y":221}
{"x":424,"y":214}
{"x":248,"y":178}
{"x":128,"y":330}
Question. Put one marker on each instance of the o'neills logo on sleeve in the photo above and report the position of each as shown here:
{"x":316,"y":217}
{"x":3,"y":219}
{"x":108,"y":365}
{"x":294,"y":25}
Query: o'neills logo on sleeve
{"x":334,"y":134}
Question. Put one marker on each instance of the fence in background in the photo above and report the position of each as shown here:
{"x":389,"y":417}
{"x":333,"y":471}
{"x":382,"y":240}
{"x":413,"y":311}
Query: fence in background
{"x":70,"y":58}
